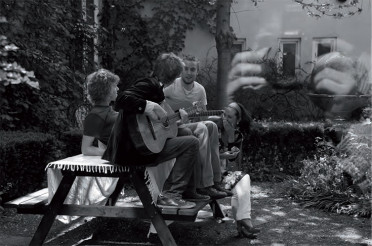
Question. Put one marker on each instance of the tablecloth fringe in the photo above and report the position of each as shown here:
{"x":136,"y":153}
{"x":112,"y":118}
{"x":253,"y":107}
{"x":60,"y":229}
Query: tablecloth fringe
{"x":151,"y":186}
{"x":88,"y":168}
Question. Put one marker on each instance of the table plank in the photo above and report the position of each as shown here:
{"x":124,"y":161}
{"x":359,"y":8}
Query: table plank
{"x":31,"y":198}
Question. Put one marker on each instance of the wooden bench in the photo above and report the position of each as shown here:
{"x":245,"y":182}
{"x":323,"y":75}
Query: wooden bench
{"x":37,"y":203}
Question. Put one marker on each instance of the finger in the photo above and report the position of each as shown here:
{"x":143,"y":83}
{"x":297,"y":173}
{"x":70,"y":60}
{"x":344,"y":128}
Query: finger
{"x":334,"y":75}
{"x":254,"y":82}
{"x":333,"y":87}
{"x":183,"y":112}
{"x":250,"y":56}
{"x":253,"y":87}
{"x":245,"y":69}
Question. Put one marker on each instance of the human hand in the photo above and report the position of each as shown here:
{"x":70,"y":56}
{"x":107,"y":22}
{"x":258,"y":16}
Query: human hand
{"x":233,"y":153}
{"x":184,"y":115}
{"x":155,"y":111}
{"x":246,"y":71}
{"x":334,"y":74}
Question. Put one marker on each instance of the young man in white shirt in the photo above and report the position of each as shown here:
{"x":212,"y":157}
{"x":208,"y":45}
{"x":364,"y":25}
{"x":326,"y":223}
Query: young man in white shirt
{"x":182,"y":94}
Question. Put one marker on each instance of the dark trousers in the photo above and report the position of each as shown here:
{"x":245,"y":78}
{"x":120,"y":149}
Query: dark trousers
{"x":181,"y":178}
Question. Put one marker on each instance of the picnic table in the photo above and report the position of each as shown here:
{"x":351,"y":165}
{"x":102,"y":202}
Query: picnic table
{"x":80,"y":165}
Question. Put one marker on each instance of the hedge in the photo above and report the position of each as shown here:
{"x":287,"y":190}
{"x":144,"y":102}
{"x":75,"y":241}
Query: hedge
{"x":71,"y":141}
{"x":275,"y":149}
{"x":271,"y":151}
{"x":23,"y":157}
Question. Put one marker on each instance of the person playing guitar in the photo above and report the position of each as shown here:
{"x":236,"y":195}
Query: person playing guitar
{"x":144,"y":98}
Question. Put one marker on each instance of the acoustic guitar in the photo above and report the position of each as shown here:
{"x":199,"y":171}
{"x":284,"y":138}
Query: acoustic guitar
{"x":149,"y":136}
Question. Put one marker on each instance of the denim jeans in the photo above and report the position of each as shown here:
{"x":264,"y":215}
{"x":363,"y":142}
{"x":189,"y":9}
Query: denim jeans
{"x":181,"y":178}
{"x":208,"y":170}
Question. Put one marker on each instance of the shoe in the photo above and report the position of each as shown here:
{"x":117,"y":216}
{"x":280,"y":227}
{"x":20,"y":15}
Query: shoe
{"x":212,"y":192}
{"x":167,"y":202}
{"x":219,"y":187}
{"x":243,"y":233}
{"x":247,"y":224}
{"x":154,"y":238}
{"x":195,"y":197}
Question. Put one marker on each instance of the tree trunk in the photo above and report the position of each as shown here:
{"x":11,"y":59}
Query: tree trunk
{"x":224,"y":42}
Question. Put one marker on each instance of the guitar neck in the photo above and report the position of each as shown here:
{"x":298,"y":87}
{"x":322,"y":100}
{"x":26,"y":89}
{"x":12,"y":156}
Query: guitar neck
{"x":192,"y":113}
{"x":206,"y":113}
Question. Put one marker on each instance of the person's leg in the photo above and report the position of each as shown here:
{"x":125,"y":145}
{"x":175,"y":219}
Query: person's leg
{"x":242,"y":198}
{"x":234,"y":203}
{"x":242,"y":206}
{"x":214,"y":149}
{"x":183,"y":149}
{"x":204,"y":171}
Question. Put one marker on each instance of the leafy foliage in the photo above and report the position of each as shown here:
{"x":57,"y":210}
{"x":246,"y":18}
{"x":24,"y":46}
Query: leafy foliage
{"x":131,"y":40}
{"x":50,"y":36}
{"x":25,"y":154}
{"x":335,"y":9}
{"x":274,"y":150}
{"x":12,"y":75}
{"x":11,"y":72}
{"x":339,"y":177}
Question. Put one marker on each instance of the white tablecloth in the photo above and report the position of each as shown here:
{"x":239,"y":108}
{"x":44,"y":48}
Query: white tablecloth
{"x":96,"y":190}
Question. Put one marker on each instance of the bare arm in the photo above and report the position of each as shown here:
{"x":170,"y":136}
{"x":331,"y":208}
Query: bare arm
{"x":87,"y":147}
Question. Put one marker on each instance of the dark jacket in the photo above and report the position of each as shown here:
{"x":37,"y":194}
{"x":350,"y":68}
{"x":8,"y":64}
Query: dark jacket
{"x":120,"y":148}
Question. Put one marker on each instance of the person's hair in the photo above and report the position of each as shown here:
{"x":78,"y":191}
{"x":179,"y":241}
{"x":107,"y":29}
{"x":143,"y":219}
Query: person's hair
{"x":191,"y":58}
{"x":243,"y":115}
{"x":167,"y":67}
{"x":100,"y":84}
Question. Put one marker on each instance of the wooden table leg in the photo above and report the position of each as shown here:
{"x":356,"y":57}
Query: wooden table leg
{"x":52,"y":210}
{"x":119,"y":187}
{"x":217,"y":212}
{"x":157,"y":220}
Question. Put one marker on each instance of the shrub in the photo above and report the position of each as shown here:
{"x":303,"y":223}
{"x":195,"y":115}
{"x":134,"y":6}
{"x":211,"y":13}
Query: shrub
{"x":71,"y":142}
{"x":23,"y":157}
{"x":339,"y":177}
{"x":50,"y":36}
{"x":276,"y":149}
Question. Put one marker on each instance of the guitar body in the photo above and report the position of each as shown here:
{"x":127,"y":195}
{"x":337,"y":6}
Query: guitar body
{"x":149,"y":137}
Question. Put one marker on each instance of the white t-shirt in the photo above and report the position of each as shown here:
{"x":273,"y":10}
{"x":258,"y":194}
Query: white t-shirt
{"x":178,"y":97}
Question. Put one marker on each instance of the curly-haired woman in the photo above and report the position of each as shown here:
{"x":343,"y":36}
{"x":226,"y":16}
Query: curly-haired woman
{"x":102,"y":90}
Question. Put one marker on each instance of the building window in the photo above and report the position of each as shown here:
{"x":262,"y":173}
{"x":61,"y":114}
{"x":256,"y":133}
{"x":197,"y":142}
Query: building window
{"x":289,"y":55}
{"x":323,"y":46}
{"x":238,"y":46}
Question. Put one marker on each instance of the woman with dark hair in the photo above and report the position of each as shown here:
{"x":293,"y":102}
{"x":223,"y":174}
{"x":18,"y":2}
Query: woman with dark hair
{"x":234,"y":126}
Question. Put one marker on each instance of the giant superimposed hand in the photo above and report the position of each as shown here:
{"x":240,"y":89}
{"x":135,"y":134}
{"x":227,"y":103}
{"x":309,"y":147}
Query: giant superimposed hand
{"x":337,"y":74}
{"x":247,"y":71}
{"x":334,"y":74}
